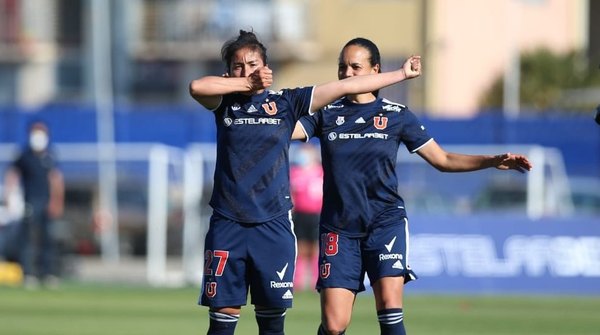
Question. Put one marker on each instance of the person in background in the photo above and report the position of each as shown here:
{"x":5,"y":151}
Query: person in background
{"x":36,"y":172}
{"x":250,"y":245}
{"x":306,"y":185}
{"x":364,"y":225}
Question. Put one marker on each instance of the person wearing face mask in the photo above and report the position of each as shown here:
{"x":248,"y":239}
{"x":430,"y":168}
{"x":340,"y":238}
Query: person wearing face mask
{"x":42,"y":184}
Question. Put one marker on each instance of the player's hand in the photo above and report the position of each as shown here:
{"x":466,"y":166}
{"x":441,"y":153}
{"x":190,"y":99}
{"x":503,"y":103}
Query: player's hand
{"x":260,"y":79}
{"x":412,"y":67}
{"x":510,"y":161}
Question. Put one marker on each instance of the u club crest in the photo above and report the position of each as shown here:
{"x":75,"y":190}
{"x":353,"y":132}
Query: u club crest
{"x":270,"y":108}
{"x":380,"y":122}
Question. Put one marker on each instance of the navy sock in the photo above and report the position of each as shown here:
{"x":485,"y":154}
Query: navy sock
{"x":221,"y":323}
{"x":270,"y":321}
{"x":322,"y":331}
{"x":391,"y":321}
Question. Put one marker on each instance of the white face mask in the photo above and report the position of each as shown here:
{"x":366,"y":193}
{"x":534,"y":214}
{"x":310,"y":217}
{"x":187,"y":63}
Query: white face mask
{"x":38,"y":140}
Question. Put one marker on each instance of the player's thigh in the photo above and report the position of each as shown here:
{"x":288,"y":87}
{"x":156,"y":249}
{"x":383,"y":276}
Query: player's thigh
{"x":340,"y":262}
{"x":224,"y":281}
{"x":272,"y":250}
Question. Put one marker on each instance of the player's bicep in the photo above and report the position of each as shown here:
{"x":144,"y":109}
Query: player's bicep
{"x":433,"y":154}
{"x":325,"y":94}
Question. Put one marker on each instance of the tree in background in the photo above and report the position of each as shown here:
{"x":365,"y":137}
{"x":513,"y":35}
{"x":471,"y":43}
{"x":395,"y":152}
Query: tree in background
{"x":566,"y":82}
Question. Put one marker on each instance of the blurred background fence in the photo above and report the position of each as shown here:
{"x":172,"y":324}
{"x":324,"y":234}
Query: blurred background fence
{"x":164,"y":182}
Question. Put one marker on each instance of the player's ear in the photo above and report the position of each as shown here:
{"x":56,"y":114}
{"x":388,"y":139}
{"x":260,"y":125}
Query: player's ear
{"x":377,"y":68}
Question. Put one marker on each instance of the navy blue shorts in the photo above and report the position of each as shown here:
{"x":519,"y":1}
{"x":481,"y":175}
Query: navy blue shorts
{"x":343,"y":261}
{"x":258,"y":257}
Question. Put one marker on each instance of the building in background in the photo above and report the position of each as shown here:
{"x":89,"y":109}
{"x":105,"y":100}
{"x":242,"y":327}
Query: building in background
{"x":158,"y":46}
{"x":470,"y":43}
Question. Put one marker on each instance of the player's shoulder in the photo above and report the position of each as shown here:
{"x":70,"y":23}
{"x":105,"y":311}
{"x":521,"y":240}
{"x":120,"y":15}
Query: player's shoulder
{"x":296,"y":90}
{"x":289,"y":93}
{"x":278,"y":92}
{"x":337,"y":104}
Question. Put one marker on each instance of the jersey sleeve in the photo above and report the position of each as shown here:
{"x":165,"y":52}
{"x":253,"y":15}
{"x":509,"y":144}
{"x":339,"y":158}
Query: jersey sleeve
{"x":225,"y":99}
{"x":301,"y":100}
{"x":414,"y":135}
{"x":310,"y":124}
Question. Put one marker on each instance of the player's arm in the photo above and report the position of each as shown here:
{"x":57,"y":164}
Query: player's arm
{"x":57,"y":193}
{"x":331,"y":91}
{"x":454,"y":162}
{"x":209,"y":90}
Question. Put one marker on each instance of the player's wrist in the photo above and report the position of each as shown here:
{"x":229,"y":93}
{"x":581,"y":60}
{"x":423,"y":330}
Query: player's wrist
{"x":404,"y":75}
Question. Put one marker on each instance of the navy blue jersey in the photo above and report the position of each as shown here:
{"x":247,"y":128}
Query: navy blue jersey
{"x":251,"y":182}
{"x":359,"y":148}
{"x":34,"y":168}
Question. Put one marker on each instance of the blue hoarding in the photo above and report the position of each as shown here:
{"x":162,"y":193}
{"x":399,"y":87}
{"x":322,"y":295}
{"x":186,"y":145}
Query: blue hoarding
{"x":496,"y":254}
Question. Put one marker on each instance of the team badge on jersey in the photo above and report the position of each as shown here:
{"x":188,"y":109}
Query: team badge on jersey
{"x":270,"y":108}
{"x":325,"y":270}
{"x":340,"y":120}
{"x":380,"y":122}
{"x":210,"y":289}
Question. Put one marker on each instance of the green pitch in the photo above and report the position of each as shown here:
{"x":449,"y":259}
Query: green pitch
{"x":113,"y":310}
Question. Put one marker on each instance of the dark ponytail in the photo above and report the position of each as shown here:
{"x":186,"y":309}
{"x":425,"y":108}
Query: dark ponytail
{"x":246,"y":39}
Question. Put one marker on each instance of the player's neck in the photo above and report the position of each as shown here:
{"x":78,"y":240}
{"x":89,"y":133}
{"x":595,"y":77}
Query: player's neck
{"x":361,"y":98}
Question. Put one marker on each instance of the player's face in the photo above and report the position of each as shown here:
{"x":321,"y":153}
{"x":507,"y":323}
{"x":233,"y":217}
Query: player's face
{"x":354,"y":61}
{"x":244,"y":62}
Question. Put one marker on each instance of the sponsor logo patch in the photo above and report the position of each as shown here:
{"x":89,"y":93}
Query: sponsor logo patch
{"x":281,"y":273}
{"x":390,"y":245}
{"x":287,"y":295}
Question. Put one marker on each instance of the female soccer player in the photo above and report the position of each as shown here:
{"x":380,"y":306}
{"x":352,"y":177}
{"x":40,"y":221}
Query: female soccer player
{"x":250,"y":242}
{"x":364,"y":227}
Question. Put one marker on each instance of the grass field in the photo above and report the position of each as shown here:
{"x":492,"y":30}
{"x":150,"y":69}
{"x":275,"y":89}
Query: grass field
{"x":113,"y":310}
